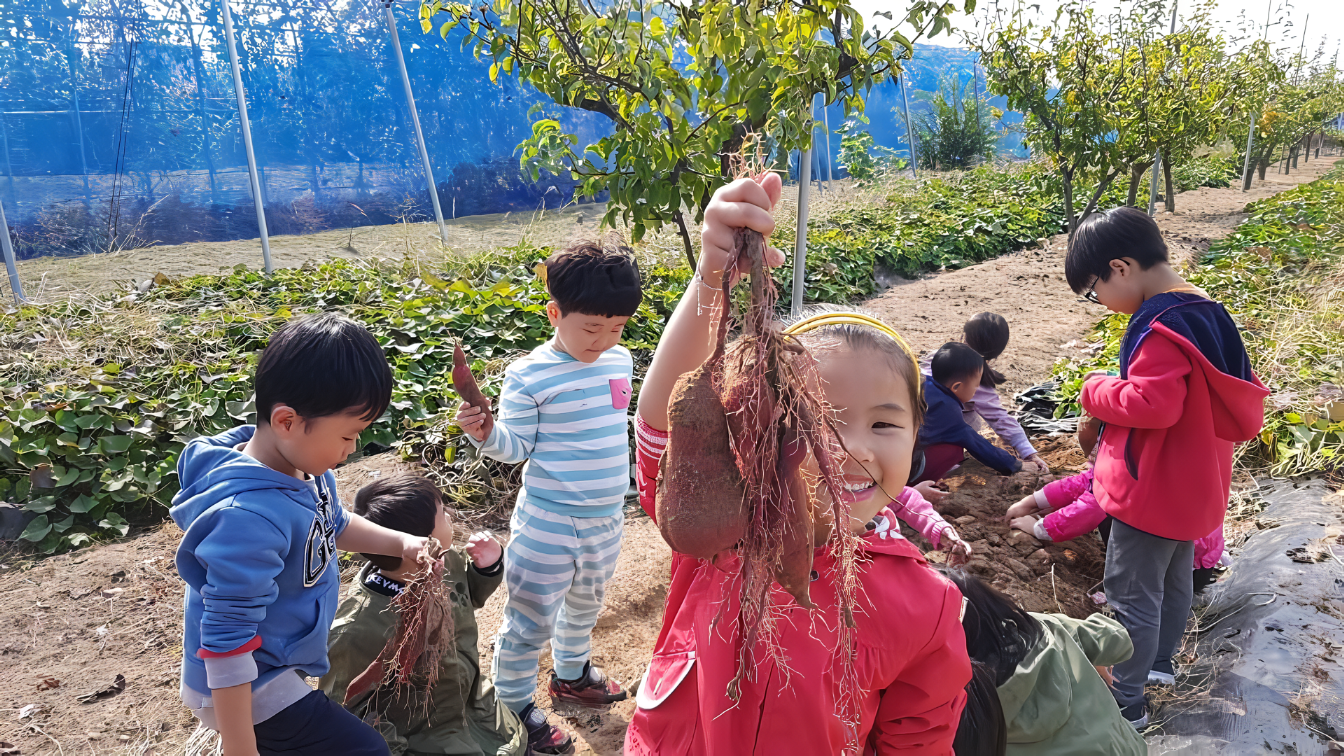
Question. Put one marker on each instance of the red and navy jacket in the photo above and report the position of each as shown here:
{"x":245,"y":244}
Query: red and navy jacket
{"x":1185,"y":396}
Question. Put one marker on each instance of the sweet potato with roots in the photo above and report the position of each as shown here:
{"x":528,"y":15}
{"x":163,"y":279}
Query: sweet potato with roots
{"x":767,"y":389}
{"x":409,"y":663}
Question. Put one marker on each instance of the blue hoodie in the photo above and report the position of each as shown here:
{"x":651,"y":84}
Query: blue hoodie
{"x":945,"y":424}
{"x":259,"y":560}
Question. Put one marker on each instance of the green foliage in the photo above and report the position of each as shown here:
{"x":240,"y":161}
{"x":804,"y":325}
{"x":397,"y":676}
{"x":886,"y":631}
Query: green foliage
{"x":864,"y":161}
{"x":1281,"y":275}
{"x":684,"y":84}
{"x":1211,"y":171}
{"x":948,"y":222}
{"x":957,"y":131}
{"x":90,"y":446}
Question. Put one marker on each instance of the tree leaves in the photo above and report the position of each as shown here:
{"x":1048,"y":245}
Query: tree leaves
{"x":683,"y":86}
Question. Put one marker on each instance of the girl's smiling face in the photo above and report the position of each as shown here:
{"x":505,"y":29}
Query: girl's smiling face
{"x":876,"y":421}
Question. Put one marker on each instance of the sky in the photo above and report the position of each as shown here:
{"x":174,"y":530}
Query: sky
{"x":1324,"y":19}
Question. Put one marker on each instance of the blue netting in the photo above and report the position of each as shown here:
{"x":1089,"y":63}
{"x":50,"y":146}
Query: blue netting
{"x":119,"y":123}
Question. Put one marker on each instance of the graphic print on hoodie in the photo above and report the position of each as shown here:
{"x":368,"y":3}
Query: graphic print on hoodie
{"x":259,"y":559}
{"x":1185,"y":396}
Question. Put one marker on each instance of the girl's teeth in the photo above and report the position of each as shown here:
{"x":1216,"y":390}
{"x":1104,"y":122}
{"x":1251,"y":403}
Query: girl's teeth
{"x":858,"y":486}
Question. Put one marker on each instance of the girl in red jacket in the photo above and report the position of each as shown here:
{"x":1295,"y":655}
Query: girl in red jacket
{"x":910,"y":655}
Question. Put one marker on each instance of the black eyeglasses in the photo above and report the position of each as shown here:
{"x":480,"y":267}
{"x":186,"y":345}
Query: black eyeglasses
{"x":1091,"y":294}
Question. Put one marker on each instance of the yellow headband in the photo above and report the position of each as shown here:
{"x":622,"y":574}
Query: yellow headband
{"x":850,"y":318}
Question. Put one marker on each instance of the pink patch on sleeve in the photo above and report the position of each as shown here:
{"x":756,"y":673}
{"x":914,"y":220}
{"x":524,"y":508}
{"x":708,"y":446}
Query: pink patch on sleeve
{"x":620,"y":393}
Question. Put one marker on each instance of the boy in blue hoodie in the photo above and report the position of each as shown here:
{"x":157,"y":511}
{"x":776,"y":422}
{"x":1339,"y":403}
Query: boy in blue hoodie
{"x":263,"y":524}
{"x":944,"y":438}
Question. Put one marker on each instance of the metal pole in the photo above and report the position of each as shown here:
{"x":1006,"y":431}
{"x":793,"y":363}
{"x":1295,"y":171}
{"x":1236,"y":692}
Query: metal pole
{"x":15,"y":287}
{"x":909,"y":126}
{"x":415,"y":121}
{"x":800,"y":246}
{"x":247,"y":137}
{"x":1250,"y":130}
{"x":826,"y":121}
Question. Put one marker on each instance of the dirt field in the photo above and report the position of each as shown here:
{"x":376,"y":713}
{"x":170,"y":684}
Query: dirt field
{"x":69,"y":625}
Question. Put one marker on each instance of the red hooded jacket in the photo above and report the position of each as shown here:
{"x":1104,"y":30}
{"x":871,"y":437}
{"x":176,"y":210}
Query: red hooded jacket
{"x":1185,"y":397}
{"x":911,"y":658}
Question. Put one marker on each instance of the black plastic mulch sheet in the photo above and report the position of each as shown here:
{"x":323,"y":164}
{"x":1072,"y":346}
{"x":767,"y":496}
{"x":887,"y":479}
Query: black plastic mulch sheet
{"x":1269,"y":671}
{"x":1037,"y":407}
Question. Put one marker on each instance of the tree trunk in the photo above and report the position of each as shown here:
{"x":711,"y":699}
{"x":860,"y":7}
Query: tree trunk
{"x":1066,"y":179}
{"x":1297,"y":150}
{"x":1171,"y":186}
{"x":1264,"y":166}
{"x":1136,"y":172}
{"x":685,"y":238}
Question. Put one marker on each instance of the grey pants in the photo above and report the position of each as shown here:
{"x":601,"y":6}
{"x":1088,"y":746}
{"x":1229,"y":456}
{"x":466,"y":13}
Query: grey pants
{"x":1149,"y":584}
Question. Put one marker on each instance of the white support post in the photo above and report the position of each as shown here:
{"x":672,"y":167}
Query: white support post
{"x":909,"y":125}
{"x":15,"y":287}
{"x":415,"y":121}
{"x":800,"y":246}
{"x":247,"y":136}
{"x":1157,"y":156}
{"x":826,"y":122}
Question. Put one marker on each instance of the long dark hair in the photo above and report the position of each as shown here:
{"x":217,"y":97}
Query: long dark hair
{"x":982,"y":730}
{"x":999,"y":633}
{"x":987,"y":333}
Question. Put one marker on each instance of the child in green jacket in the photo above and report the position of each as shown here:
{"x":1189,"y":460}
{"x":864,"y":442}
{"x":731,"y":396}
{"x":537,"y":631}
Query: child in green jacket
{"x":1046,"y":667}
{"x":463,"y":716}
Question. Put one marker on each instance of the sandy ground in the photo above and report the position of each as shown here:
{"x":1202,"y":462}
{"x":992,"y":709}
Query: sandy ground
{"x":72,"y":623}
{"x":1027,"y":287}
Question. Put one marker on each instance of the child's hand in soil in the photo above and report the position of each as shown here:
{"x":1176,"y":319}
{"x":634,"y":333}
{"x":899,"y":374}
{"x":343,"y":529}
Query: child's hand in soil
{"x":484,"y":550}
{"x":471,"y":420}
{"x":929,"y":490}
{"x":745,"y":203}
{"x":1034,"y":463}
{"x":1025,"y":524}
{"x":1021,"y":509}
{"x":958,"y":551}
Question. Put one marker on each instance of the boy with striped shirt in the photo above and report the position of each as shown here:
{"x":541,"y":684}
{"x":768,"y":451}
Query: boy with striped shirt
{"x":563,"y":411}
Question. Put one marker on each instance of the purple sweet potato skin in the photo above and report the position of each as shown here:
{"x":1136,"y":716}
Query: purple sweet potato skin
{"x":700,"y":503}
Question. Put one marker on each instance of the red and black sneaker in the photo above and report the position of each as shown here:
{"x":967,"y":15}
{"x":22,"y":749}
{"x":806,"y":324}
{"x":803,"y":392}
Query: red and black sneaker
{"x":542,"y":736}
{"x":591,"y":689}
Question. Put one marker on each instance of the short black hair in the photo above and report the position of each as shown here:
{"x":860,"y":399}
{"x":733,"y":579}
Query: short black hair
{"x":595,"y":277}
{"x":955,"y":361}
{"x":987,"y":333}
{"x":1110,"y":235}
{"x":982,"y":730}
{"x":320,"y":365}
{"x":402,"y":502}
{"x":999,"y":633}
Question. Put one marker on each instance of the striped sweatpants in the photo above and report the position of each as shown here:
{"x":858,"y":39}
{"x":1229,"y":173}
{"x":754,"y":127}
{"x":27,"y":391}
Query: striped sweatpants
{"x":556,"y":568}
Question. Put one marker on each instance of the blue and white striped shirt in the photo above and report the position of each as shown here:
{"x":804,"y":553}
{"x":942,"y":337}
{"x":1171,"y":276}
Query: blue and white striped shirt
{"x":568,"y":420}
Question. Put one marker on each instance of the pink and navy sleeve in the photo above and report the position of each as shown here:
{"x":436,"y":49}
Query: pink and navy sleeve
{"x":650,"y":443}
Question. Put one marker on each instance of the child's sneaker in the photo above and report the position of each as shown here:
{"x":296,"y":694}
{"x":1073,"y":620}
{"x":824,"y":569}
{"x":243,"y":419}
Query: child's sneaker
{"x":542,"y":736}
{"x":591,"y":689}
{"x":1162,"y":673}
{"x":1136,"y":715}
{"x":1161,"y":678}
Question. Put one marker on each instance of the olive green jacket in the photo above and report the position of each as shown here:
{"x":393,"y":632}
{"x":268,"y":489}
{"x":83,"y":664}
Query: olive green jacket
{"x":463,"y":716}
{"x":1056,"y":704}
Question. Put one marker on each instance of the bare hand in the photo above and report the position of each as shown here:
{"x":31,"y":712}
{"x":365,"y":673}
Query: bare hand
{"x":1025,"y":524}
{"x":930,"y":491}
{"x":1036,"y":462}
{"x":1105,"y":673}
{"x":471,"y":419}
{"x":1096,"y":374}
{"x":745,"y":203}
{"x":1024,"y":507}
{"x":483,"y":549}
{"x":958,"y":551}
